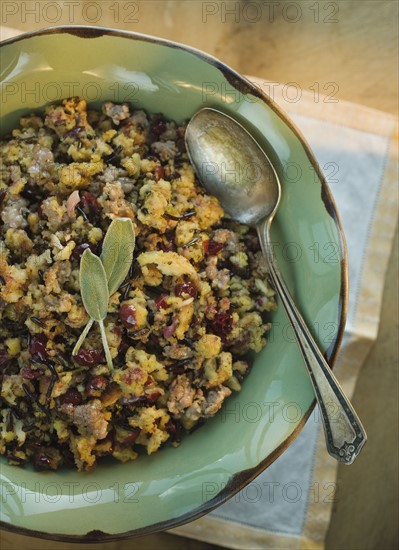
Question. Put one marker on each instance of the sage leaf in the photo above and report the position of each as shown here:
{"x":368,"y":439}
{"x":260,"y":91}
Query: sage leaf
{"x":93,"y":286}
{"x":117,"y":252}
{"x":105,"y":345}
{"x":82,"y":337}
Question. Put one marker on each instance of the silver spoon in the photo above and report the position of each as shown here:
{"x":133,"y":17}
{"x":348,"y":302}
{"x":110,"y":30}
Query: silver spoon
{"x":232,"y":166}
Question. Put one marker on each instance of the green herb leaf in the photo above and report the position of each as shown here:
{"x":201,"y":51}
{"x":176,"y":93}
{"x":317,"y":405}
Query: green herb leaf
{"x":93,"y":286}
{"x":105,"y":345}
{"x":82,"y":337}
{"x":117,"y":253}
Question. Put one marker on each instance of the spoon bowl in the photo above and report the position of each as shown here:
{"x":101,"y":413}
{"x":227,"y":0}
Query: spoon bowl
{"x":244,"y":170}
{"x":232,"y":166}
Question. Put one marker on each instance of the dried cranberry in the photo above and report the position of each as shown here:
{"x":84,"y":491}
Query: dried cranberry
{"x":89,"y":357}
{"x":161,"y":301}
{"x":152,"y":397}
{"x":37,"y":347}
{"x":30,"y":373}
{"x":211,"y":247}
{"x":131,"y":437}
{"x":127,"y":314}
{"x":159,"y":172}
{"x":96,"y":385}
{"x":222,"y":324}
{"x":72,"y":396}
{"x":41,"y":461}
{"x":158,"y":127}
{"x":186,"y":288}
{"x":79,"y":250}
{"x":89,"y":202}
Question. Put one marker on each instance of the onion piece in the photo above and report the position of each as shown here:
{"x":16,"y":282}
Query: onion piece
{"x":72,"y":202}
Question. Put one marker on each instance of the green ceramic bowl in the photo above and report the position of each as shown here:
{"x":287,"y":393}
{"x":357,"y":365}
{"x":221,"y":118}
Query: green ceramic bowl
{"x":174,"y":486}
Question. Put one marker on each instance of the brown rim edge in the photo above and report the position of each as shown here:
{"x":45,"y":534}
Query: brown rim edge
{"x":240,"y":479}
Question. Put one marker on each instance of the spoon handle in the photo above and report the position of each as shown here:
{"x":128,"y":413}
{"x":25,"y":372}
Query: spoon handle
{"x":345,"y":435}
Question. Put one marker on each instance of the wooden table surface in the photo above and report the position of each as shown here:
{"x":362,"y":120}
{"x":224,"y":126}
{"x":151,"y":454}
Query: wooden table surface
{"x":349,"y":47}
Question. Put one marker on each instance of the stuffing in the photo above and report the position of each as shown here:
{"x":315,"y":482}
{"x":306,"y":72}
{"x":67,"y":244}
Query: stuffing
{"x":194,"y":301}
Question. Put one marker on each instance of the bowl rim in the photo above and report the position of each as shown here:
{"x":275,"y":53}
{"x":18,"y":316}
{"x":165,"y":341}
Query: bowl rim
{"x":245,"y":86}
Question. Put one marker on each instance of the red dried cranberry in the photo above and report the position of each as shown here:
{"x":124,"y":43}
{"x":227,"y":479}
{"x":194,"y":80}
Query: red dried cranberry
{"x":152,"y":397}
{"x":89,"y":202}
{"x":186,"y":288}
{"x":161,"y":302}
{"x":96,"y":384}
{"x":37,"y":347}
{"x":79,"y":250}
{"x":127,"y":314}
{"x":211,"y":247}
{"x":89,"y":357}
{"x":72,"y":396}
{"x":159,"y":172}
{"x":131,"y":437}
{"x":158,"y":127}
{"x":30,"y":373}
{"x":222,"y":324}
